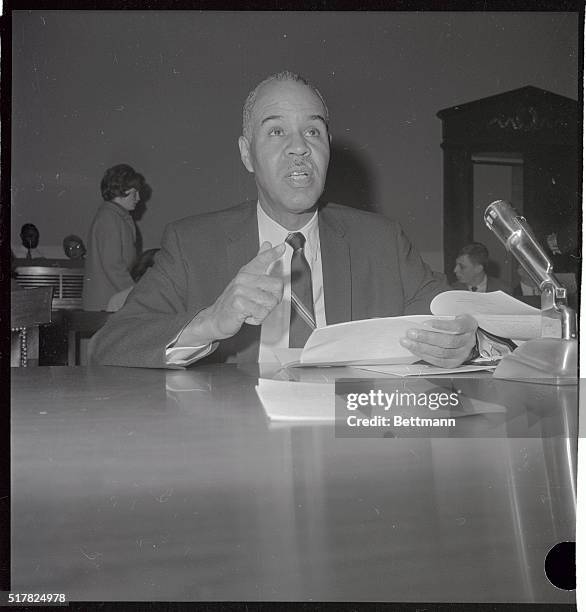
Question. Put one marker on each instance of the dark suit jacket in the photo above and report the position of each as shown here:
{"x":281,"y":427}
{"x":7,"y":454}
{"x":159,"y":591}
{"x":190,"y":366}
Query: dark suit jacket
{"x":369,"y":268}
{"x":492,"y":284}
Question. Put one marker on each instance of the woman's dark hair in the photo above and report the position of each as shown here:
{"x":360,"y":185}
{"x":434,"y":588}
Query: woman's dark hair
{"x":119,"y":179}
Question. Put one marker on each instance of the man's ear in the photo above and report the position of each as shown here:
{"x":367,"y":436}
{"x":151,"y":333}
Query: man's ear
{"x":245,"y":153}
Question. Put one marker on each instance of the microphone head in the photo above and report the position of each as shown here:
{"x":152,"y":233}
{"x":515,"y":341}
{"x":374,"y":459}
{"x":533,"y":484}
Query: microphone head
{"x":514,"y":232}
{"x":503,"y":220}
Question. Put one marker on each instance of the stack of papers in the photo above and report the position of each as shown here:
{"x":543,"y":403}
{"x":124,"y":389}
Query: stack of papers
{"x":376,"y":342}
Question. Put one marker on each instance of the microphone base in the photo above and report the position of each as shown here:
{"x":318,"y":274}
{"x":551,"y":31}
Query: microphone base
{"x":547,"y":361}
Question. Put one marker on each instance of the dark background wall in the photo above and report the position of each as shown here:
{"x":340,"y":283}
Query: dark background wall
{"x":163,"y":91}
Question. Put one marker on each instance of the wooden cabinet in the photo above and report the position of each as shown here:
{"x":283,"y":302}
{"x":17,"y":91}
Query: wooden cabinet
{"x":523,"y":146}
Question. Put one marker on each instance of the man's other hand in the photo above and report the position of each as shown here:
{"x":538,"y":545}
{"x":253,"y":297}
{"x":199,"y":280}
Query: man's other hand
{"x":249,"y":298}
{"x":446,"y":350}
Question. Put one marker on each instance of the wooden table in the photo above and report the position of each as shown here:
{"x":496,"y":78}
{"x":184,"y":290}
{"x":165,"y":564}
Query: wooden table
{"x":132,"y":484}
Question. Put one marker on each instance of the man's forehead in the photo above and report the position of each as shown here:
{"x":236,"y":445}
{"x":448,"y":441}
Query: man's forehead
{"x":278,"y":98}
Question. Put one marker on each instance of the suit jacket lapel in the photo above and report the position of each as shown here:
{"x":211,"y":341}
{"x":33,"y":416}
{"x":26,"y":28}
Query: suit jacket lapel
{"x":335,"y":258}
{"x":242,"y":237}
{"x":241,"y":247}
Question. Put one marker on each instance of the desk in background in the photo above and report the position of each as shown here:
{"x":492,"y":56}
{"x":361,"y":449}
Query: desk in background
{"x":65,"y":276}
{"x":132,"y":484}
{"x":61,"y":342}
{"x":81,"y":324}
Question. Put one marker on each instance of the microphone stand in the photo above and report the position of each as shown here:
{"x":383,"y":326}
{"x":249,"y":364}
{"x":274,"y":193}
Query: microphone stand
{"x":553,"y":358}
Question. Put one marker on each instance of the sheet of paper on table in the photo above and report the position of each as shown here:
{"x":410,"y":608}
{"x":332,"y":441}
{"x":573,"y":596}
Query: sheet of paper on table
{"x":297,"y":401}
{"x":289,"y":356}
{"x":424,"y":369}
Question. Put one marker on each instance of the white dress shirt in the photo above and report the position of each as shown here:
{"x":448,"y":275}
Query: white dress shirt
{"x":481,"y":287}
{"x":275,"y":328}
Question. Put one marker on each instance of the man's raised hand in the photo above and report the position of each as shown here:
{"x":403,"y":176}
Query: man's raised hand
{"x":249,"y":298}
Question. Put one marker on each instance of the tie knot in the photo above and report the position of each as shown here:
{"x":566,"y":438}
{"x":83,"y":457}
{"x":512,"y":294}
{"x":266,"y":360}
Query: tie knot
{"x":296,"y":240}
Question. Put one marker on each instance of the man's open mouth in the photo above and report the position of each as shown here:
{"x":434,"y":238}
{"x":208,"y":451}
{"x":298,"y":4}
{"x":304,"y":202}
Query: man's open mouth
{"x":302,"y":172}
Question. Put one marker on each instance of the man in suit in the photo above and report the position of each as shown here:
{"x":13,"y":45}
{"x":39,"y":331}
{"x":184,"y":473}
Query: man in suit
{"x":29,"y":236}
{"x":470,"y":270}
{"x":220,"y":290}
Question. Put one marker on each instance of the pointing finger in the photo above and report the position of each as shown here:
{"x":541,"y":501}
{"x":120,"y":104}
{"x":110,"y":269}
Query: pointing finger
{"x":265,"y":257}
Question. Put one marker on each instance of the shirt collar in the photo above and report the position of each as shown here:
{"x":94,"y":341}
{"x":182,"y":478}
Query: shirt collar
{"x":481,"y":286}
{"x":275,"y":233}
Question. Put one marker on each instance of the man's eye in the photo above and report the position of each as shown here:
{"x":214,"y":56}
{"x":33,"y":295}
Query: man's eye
{"x":313,"y":131}
{"x":276,"y":131}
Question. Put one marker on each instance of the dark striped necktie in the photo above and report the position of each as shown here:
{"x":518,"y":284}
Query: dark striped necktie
{"x":302,"y":321}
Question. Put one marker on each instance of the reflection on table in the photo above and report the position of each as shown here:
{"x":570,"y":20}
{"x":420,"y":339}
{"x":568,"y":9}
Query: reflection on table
{"x":132,"y":484}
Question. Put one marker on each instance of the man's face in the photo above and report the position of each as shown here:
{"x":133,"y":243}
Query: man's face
{"x":466,"y":270}
{"x":74,"y":249}
{"x":288,"y":150}
{"x":30,"y":237}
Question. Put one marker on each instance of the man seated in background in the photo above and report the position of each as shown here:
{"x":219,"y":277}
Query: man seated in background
{"x":236,"y":284}
{"x":470,"y":270}
{"x":73,"y":247}
{"x":526,"y":286}
{"x":29,"y":236}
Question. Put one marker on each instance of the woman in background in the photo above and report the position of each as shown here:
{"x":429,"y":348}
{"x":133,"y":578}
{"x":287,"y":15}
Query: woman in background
{"x":142,"y":264}
{"x":112,"y":238}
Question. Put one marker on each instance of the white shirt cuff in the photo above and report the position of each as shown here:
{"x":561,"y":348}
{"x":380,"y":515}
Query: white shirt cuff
{"x":186,"y":355}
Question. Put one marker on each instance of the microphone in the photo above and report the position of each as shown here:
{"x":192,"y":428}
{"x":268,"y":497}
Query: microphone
{"x":550,"y":359}
{"x":514,"y":232}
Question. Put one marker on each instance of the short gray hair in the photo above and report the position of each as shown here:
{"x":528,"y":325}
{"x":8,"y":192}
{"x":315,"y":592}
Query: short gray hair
{"x":284,"y":75}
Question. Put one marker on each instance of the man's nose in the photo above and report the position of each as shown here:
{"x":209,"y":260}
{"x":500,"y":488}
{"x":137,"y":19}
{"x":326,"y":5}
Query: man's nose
{"x":297,"y":144}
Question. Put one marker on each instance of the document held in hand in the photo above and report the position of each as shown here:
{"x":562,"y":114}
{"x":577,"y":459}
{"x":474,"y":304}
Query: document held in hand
{"x":376,"y":341}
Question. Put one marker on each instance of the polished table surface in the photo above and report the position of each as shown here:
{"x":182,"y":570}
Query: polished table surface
{"x":132,"y":484}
